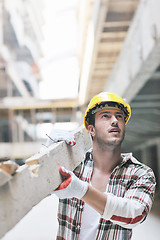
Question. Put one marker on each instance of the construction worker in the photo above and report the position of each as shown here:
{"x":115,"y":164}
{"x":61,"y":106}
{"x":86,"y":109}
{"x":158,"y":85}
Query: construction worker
{"x":109,"y":192}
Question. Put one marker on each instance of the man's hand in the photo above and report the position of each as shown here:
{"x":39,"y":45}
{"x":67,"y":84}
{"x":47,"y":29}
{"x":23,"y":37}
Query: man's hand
{"x":72,"y":186}
{"x":58,"y":135}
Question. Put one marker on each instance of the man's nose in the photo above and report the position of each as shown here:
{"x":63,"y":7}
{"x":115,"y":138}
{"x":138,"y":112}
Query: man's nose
{"x":114,"y":119}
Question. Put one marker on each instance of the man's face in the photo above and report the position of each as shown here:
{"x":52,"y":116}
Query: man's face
{"x":109,"y":129}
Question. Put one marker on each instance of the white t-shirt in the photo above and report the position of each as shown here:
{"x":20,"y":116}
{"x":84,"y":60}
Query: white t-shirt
{"x":90,"y":222}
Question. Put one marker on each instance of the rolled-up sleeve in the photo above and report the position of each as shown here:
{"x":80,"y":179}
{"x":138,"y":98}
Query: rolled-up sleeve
{"x":132,"y":209}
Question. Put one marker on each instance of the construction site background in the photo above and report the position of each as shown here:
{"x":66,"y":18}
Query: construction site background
{"x":117,"y":49}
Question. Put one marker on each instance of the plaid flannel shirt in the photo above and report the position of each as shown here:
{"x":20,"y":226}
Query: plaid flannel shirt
{"x":131,"y":180}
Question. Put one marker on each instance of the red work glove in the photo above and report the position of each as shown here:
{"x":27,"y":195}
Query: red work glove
{"x":72,"y":186}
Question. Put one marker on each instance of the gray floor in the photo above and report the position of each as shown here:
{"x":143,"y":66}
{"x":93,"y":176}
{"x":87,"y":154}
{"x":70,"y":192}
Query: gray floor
{"x":41,"y":223}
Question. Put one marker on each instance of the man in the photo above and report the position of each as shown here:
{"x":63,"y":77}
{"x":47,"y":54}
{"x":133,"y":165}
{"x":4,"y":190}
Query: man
{"x":109,"y":192}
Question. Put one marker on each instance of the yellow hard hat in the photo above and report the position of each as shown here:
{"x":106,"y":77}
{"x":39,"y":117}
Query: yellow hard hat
{"x":105,"y":100}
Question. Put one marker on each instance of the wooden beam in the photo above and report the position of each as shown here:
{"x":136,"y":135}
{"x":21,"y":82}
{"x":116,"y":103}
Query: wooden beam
{"x":123,"y":5}
{"x":108,"y":54}
{"x":17,"y":103}
{"x":100,"y":73}
{"x":103,"y":65}
{"x":116,"y":24}
{"x":109,"y":47}
{"x":113,"y":35}
{"x":105,"y":60}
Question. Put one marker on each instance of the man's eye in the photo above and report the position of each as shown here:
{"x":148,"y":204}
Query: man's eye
{"x":119,"y":116}
{"x":105,"y":116}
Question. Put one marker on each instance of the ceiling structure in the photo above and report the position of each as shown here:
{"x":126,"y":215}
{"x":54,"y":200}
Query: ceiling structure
{"x":113,"y":19}
{"x":143,"y":127}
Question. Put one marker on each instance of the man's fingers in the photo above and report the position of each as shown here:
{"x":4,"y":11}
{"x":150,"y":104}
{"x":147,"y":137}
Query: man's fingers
{"x":71,"y":142}
{"x":60,"y":135}
{"x":64,"y":184}
{"x":66,"y":176}
{"x":64,"y":172}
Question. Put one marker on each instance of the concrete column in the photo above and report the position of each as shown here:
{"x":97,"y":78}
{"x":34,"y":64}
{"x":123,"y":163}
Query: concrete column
{"x":9,"y":86}
{"x":73,"y":114}
{"x":54,"y":115}
{"x":33,"y":120}
{"x":11,"y":116}
{"x":38,"y":178}
{"x":20,"y":129}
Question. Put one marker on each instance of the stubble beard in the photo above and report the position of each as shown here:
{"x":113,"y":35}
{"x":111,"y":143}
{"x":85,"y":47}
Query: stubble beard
{"x":114,"y":144}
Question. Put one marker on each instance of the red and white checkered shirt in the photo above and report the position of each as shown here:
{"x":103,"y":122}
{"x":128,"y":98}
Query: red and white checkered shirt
{"x":130,"y":193}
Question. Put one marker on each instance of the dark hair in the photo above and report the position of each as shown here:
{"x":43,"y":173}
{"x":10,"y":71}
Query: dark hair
{"x":91,"y":120}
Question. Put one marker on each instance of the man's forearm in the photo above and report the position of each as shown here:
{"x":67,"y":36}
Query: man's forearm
{"x":95,"y":199}
{"x":124,"y":212}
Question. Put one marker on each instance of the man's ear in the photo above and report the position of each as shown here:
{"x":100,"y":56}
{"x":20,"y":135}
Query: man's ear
{"x":91,"y":130}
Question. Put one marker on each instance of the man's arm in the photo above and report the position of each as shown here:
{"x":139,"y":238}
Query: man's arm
{"x":95,"y":199}
{"x":127,"y":211}
{"x":122,"y":211}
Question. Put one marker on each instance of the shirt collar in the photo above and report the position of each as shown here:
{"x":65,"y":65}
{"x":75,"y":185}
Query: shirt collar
{"x":89,"y":154}
{"x":128,"y":156}
{"x":125,"y":157}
